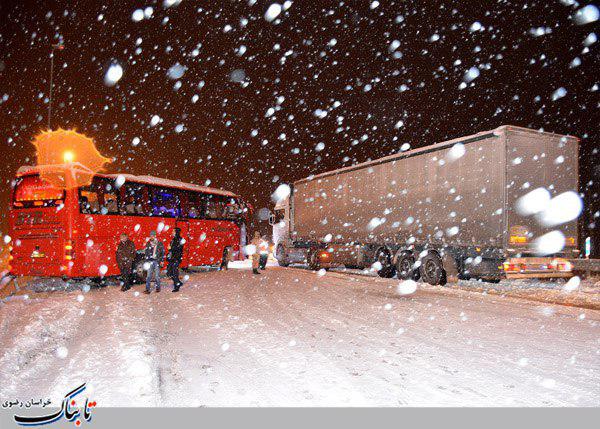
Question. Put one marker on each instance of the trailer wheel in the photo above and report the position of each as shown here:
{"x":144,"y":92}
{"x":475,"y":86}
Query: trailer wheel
{"x":387,"y":268}
{"x":99,"y":282}
{"x":280,"y":256}
{"x":405,"y":267}
{"x":432,"y":269}
{"x":313,"y":260}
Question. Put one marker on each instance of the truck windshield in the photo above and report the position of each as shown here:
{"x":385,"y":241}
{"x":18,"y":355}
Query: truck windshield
{"x":33,"y":191}
{"x":279,"y":216}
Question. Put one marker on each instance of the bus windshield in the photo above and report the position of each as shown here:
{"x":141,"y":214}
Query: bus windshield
{"x":33,"y":191}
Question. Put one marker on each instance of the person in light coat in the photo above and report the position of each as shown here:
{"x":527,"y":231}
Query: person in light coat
{"x":256,"y":255}
{"x":154,"y":253}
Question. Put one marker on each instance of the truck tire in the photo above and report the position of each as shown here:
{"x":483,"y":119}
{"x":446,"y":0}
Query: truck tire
{"x":313,"y":260}
{"x":432,"y":269}
{"x":405,"y":270}
{"x":280,"y":256}
{"x":387,"y":268}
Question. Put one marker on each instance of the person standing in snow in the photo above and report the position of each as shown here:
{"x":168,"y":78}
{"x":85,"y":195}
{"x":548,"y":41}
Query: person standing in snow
{"x":225,"y":260}
{"x":154,"y":254}
{"x":174,"y":258}
{"x":256,"y":255}
{"x":125,"y":258}
{"x":263,"y":251}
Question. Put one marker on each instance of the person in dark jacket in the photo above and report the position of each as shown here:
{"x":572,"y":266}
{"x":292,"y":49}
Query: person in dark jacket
{"x":225,"y":261}
{"x":263,"y":250}
{"x":125,"y":258}
{"x":174,"y":258}
{"x":154,"y":252}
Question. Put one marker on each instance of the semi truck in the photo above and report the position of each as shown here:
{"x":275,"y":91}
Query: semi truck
{"x":479,"y":206}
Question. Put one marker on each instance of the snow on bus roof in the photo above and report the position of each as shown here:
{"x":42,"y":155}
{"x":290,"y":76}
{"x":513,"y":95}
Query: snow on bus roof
{"x":168,"y":183}
{"x":146,"y":180}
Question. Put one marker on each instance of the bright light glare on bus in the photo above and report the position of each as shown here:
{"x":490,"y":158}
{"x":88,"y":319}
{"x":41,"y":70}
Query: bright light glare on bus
{"x":68,"y":156}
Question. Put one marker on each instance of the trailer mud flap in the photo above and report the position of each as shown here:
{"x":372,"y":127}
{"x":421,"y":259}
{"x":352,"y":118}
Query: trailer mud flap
{"x":450,"y":267}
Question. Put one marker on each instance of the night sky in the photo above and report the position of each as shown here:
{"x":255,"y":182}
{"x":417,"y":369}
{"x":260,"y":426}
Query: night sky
{"x":257,"y":97}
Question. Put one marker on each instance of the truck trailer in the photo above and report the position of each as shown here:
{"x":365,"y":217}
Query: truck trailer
{"x":473,"y":207}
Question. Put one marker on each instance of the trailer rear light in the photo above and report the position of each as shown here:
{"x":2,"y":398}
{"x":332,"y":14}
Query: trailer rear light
{"x":508,"y":267}
{"x":511,"y":267}
{"x":324,"y":255}
{"x":518,"y":239}
{"x":561,"y":265}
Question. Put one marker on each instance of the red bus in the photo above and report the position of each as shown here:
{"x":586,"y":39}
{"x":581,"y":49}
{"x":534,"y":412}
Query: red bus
{"x":74,"y":233}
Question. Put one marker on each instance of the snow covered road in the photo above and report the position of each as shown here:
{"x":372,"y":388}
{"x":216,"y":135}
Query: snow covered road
{"x":291,"y":337}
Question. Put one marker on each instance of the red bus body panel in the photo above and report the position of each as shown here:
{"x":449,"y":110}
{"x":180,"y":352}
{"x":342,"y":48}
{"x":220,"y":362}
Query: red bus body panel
{"x":96,"y":238}
{"x":41,"y":236}
{"x":38,"y":240}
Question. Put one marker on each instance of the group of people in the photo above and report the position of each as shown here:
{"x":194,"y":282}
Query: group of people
{"x":154,"y":254}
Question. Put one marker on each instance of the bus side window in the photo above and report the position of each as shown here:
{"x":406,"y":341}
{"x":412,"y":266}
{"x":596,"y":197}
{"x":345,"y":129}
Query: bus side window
{"x":88,"y":201}
{"x":132,"y":199}
{"x":165,"y":202}
{"x":232,"y":209}
{"x":110,"y":203}
{"x":108,"y":197}
{"x":215,"y":206}
{"x":194,"y":205}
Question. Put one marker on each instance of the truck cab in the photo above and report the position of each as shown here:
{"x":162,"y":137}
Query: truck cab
{"x":280,"y":222}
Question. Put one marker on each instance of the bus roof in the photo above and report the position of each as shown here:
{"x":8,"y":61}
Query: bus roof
{"x":146,"y":180}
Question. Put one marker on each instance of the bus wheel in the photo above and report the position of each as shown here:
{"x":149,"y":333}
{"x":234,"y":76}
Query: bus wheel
{"x":405,"y":267}
{"x":387,"y":268}
{"x":99,"y":281}
{"x":432,"y":269}
{"x":280,"y":256}
{"x":139,"y":273}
